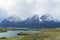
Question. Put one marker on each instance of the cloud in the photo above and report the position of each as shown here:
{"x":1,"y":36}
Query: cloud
{"x":3,"y":14}
{"x":27,"y":8}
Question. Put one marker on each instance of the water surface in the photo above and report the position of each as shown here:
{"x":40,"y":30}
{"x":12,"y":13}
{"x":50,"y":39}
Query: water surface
{"x":10,"y":34}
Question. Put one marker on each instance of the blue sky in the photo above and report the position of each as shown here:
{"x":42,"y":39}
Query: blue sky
{"x":26,"y":8}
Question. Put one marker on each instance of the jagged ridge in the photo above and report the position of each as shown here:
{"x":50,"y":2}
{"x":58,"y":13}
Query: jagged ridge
{"x":45,"y":21}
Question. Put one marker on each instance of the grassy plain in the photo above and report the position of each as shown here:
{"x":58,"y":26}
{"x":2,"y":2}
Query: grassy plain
{"x":47,"y":34}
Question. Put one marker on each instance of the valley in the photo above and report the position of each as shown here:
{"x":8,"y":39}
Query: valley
{"x":36,"y":34}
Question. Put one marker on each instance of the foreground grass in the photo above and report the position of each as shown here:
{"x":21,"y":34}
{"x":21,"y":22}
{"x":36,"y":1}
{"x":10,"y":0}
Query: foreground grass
{"x":47,"y":34}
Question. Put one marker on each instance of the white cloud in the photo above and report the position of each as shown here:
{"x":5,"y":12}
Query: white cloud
{"x":56,"y":0}
{"x":39,"y":12}
{"x":26,"y":8}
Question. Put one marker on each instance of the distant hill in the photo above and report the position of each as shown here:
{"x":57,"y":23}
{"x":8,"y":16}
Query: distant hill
{"x":45,"y":21}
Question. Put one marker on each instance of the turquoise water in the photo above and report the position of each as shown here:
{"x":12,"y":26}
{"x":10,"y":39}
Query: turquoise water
{"x":10,"y":34}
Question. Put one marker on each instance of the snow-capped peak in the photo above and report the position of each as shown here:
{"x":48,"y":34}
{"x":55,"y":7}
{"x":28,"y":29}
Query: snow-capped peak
{"x":46,"y":17}
{"x":35,"y":16}
{"x":13,"y":18}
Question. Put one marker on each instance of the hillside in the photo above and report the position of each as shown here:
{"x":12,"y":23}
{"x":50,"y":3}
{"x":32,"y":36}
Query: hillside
{"x":45,"y":21}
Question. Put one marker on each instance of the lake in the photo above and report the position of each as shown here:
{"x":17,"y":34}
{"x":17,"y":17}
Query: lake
{"x":11,"y":34}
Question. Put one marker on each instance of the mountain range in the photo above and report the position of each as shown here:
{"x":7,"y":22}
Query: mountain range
{"x":45,"y":21}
